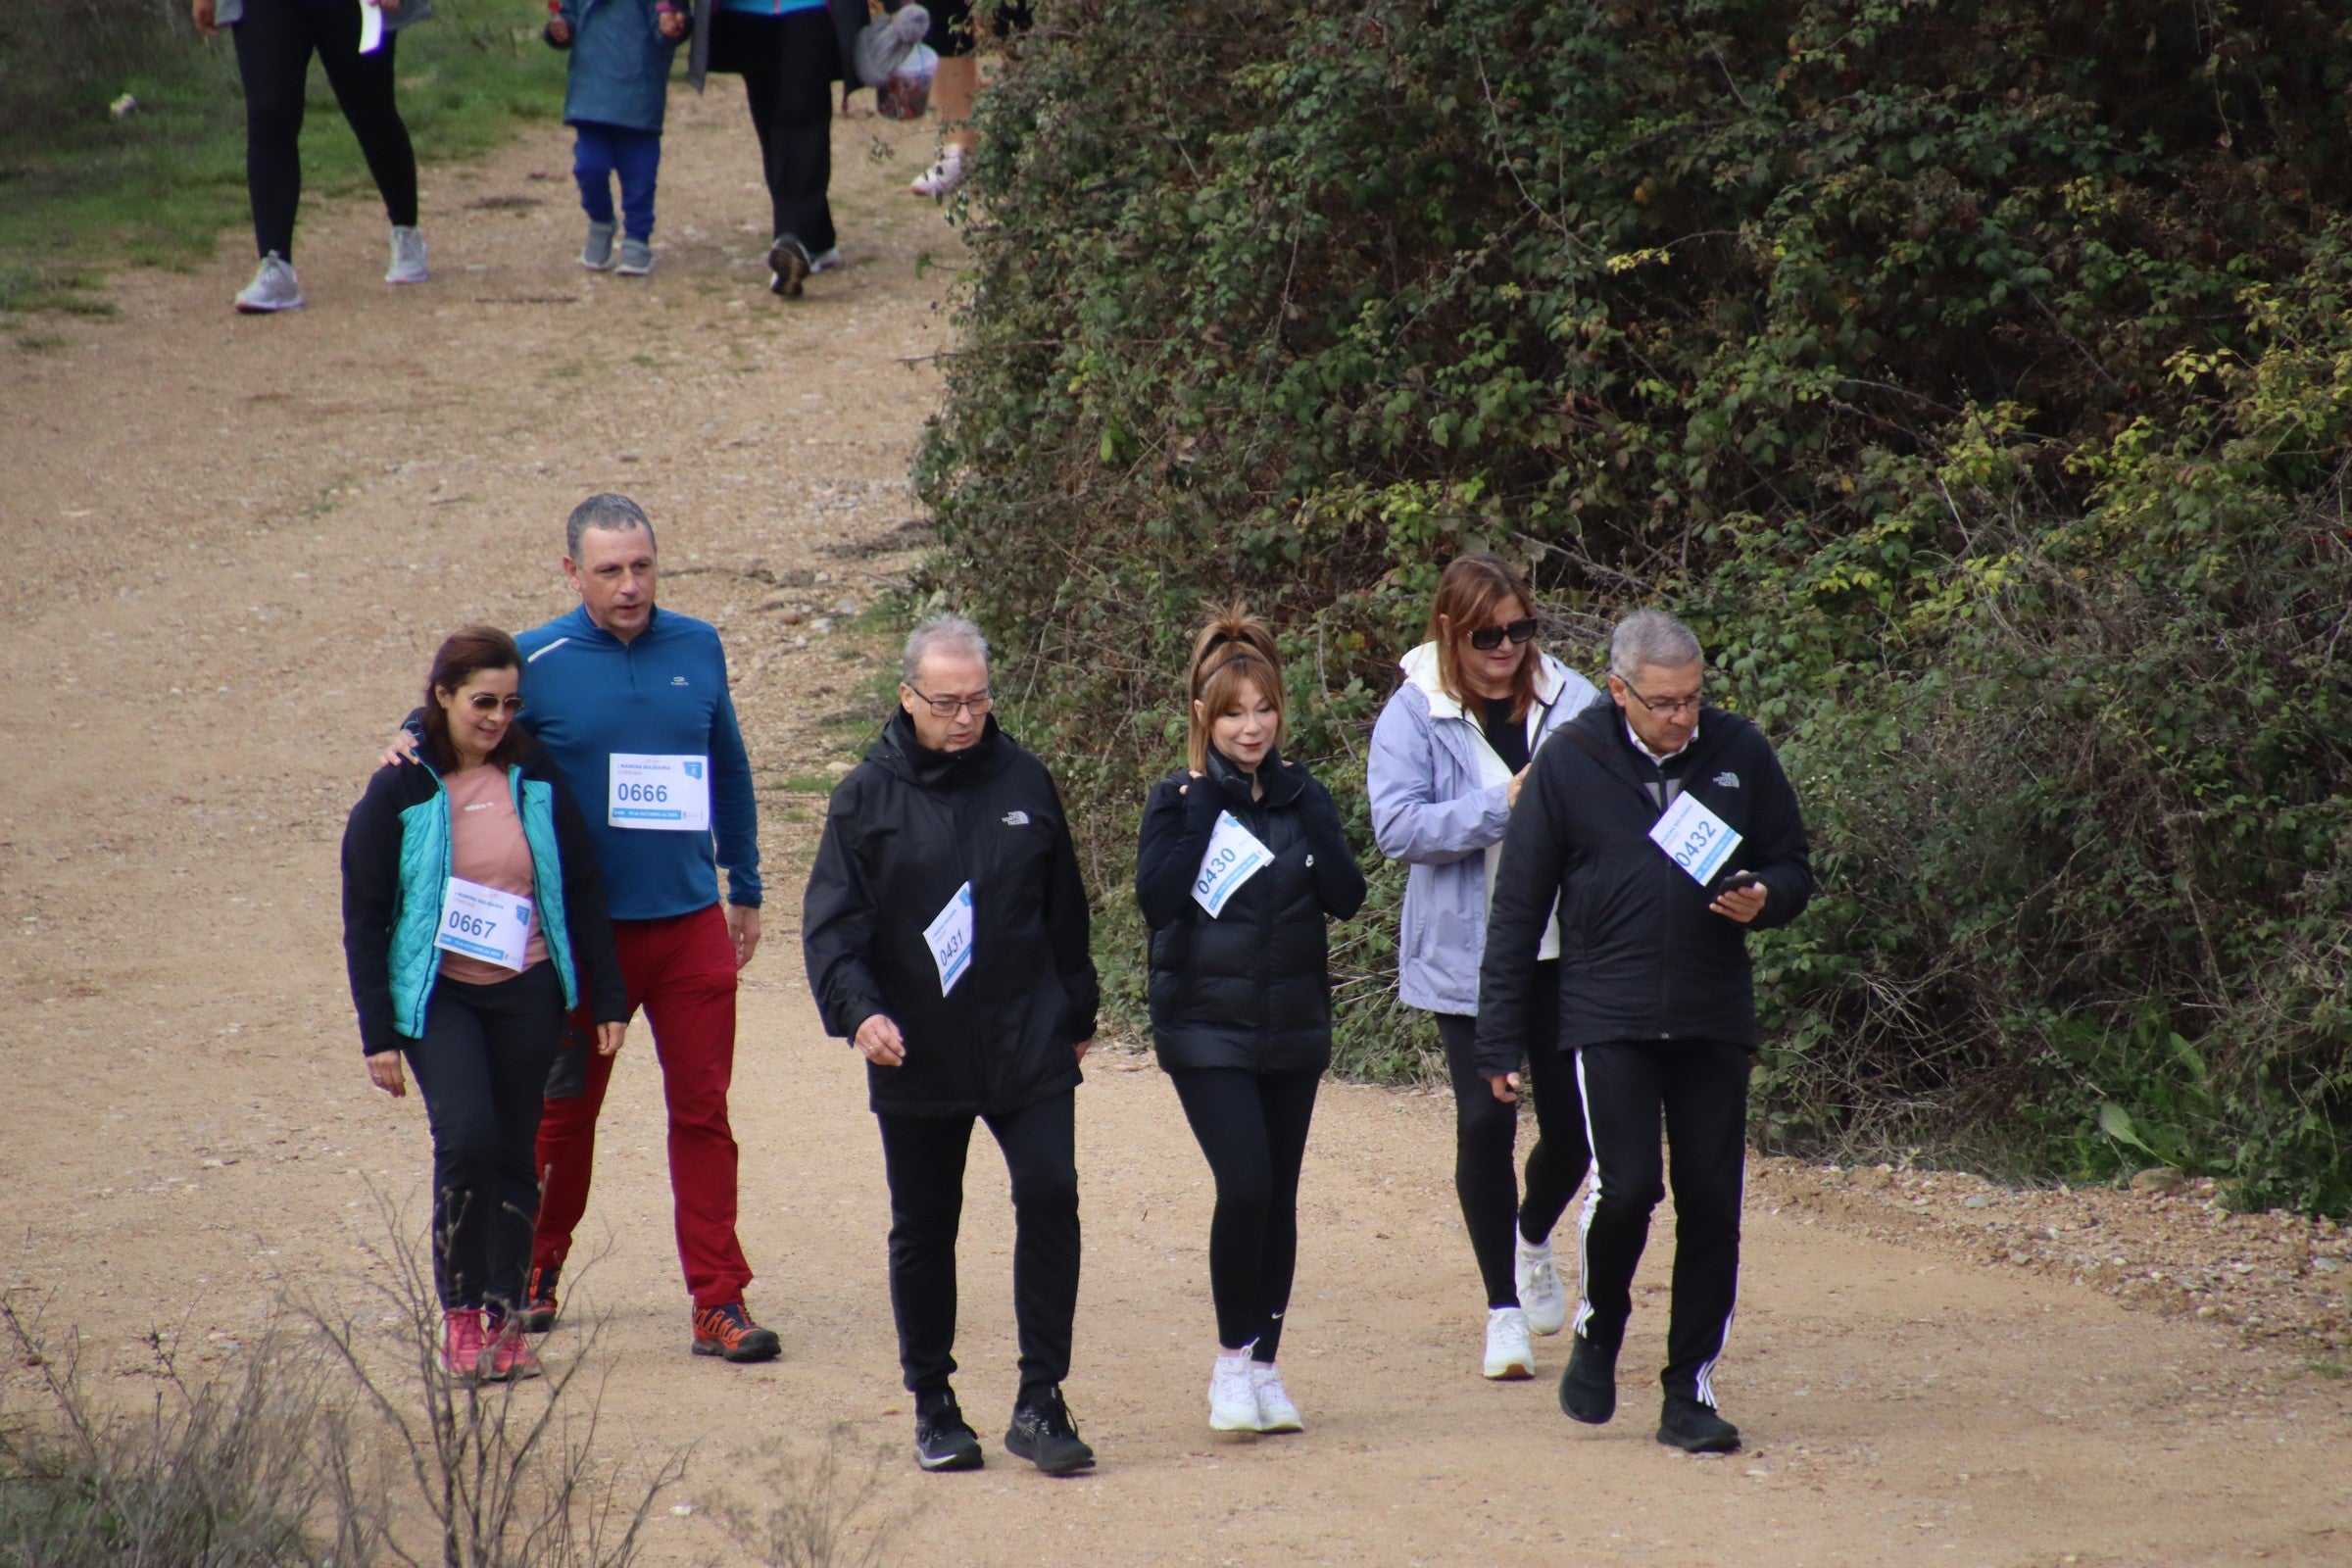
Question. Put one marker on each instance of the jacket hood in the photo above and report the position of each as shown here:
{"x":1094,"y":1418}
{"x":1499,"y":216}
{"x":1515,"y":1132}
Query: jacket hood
{"x":1420,"y":667}
{"x":897,"y":751}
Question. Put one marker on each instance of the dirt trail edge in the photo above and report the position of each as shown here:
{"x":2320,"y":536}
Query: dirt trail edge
{"x":232,"y":545}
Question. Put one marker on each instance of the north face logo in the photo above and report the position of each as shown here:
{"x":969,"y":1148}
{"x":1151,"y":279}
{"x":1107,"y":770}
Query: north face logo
{"x":1727,"y":781}
{"x":1016,"y":818}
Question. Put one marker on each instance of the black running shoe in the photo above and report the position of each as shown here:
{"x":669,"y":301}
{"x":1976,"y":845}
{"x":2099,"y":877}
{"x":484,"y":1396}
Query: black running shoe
{"x":1588,"y":1388}
{"x":537,"y":1314}
{"x":788,"y":267}
{"x":943,"y":1438}
{"x":1687,"y":1424}
{"x":1043,"y":1434}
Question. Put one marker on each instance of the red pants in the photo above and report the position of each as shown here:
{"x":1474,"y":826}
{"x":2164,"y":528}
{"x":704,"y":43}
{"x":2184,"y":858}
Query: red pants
{"x":682,"y":971}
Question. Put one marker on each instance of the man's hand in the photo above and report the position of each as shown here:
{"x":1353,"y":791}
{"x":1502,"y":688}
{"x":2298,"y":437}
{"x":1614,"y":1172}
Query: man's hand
{"x":402,"y":748}
{"x":383,"y":1071}
{"x":609,"y":1037}
{"x":202,"y":13}
{"x":1741,"y":903}
{"x":743,"y":929}
{"x":1505,"y":1086}
{"x":882,"y":1044}
{"x":1083,"y":1046}
{"x":1511,"y":790}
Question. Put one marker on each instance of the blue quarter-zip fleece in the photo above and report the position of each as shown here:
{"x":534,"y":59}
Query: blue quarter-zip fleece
{"x":586,"y":694}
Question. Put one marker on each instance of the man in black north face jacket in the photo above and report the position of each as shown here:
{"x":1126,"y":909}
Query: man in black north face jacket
{"x":944,"y":930}
{"x":1657,"y":1006}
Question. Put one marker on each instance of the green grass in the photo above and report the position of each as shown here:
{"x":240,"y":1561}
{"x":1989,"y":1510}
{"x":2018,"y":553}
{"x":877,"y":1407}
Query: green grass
{"x":82,"y":193}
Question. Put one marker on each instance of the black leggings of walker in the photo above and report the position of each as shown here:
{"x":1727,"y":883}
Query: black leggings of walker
{"x":482,"y":1069}
{"x":1252,"y":1128}
{"x":275,"y":41}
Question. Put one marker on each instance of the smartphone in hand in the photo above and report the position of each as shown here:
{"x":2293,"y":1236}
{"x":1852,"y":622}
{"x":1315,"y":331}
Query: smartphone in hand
{"x":1739,"y":880}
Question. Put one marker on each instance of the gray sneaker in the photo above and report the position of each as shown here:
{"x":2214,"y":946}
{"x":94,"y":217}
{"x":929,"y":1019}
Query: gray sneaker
{"x":597,"y":254}
{"x":408,"y":256}
{"x":275,"y":287}
{"x":636,"y":258}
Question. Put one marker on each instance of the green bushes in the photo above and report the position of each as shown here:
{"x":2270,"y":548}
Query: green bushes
{"x":1970,"y":374}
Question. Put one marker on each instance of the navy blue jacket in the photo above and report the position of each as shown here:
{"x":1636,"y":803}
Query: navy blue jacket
{"x":620,"y":71}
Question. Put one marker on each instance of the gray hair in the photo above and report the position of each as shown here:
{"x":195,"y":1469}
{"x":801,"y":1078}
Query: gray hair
{"x":1651,"y":637}
{"x":946,"y":633}
{"x":611,"y":510}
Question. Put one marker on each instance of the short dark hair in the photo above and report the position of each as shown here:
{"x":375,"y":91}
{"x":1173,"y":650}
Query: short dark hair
{"x":609,"y":510}
{"x":465,"y":653}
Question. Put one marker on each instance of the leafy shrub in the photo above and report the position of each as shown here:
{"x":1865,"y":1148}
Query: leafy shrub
{"x":1970,"y":374}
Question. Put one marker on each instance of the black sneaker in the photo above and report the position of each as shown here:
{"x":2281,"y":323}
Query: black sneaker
{"x":1694,"y":1428}
{"x":537,"y":1314}
{"x":1588,"y":1388}
{"x":788,"y":267}
{"x":1043,"y":1434}
{"x":943,"y":1438}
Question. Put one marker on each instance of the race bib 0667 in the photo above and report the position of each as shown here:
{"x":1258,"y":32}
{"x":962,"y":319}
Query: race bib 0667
{"x":484,"y":923}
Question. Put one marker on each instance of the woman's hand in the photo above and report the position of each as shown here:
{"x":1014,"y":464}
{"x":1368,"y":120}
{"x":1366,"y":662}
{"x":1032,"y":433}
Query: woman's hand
{"x":1505,"y":1086}
{"x":1511,"y":790}
{"x":1083,"y":1046}
{"x":382,"y":5}
{"x":609,"y":1037}
{"x":201,"y":12}
{"x":383,"y":1071}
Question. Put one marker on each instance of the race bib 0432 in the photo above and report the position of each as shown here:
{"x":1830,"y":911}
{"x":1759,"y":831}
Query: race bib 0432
{"x":1694,"y":838}
{"x":667,"y":794}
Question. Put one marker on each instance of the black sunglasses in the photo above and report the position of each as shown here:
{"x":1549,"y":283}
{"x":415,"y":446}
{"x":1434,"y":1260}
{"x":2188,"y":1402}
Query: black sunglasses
{"x":1489,"y":638}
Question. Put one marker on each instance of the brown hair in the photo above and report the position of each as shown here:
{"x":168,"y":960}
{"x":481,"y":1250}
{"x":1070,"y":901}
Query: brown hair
{"x":467,"y":652}
{"x":1473,"y":585}
{"x":1235,"y":648}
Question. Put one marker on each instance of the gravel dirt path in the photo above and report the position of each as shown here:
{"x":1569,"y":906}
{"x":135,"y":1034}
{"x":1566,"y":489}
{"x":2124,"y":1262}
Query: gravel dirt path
{"x":232,"y":545}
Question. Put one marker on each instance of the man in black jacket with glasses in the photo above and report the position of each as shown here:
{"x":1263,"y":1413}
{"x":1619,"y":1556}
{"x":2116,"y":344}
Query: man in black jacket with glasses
{"x":1667,"y":831}
{"x":946,"y":934}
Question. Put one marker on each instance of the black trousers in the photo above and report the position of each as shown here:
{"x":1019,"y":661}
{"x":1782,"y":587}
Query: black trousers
{"x":1700,"y":1088}
{"x":924,"y":1158}
{"x":1252,"y":1128}
{"x":788,"y":67}
{"x":481,"y":1066}
{"x":1485,"y":1129}
{"x":275,"y":40}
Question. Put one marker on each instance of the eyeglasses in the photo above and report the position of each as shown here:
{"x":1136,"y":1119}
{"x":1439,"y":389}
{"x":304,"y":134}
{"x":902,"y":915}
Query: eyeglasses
{"x":1680,"y":705}
{"x":1489,"y":638}
{"x":950,"y":707}
{"x":484,"y":703}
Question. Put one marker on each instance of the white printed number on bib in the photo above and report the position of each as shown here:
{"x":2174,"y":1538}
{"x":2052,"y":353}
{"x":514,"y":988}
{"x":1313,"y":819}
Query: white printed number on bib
{"x":484,"y":923}
{"x":1234,"y":856}
{"x":670,"y":794}
{"x":1695,"y":838}
{"x":950,"y":934}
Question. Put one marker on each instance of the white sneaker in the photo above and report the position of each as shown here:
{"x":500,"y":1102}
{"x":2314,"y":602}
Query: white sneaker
{"x":1540,"y":1294}
{"x":1275,"y":1411}
{"x":1509,"y":1357}
{"x":1231,"y":1400}
{"x":275,"y":287}
{"x":824,"y":260}
{"x":942,"y":177}
{"x":408,"y":256}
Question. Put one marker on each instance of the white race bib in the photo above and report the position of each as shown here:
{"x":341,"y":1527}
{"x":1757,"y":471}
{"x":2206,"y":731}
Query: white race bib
{"x":671,"y":793}
{"x":371,"y":27}
{"x":484,"y":923}
{"x":1233,"y":858}
{"x":1694,"y":838}
{"x":949,"y":935}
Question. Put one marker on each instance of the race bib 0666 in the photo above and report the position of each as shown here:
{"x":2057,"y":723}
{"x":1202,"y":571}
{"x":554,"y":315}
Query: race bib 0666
{"x":667,"y":794}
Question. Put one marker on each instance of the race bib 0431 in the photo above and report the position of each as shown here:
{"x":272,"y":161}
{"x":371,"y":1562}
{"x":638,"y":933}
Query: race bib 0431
{"x":666,"y":794}
{"x":1694,"y":838}
{"x":949,"y":935}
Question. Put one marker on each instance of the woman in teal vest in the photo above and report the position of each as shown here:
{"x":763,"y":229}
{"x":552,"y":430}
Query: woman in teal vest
{"x":473,"y":919}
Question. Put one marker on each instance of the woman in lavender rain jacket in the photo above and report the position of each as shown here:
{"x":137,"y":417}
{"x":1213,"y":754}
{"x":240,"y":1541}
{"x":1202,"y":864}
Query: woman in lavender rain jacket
{"x":1447,"y":757}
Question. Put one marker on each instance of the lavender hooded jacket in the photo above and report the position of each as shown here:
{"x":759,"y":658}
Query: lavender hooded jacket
{"x":1439,"y":803}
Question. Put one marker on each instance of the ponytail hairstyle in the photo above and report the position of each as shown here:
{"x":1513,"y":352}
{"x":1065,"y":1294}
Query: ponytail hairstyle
{"x":468,"y":652}
{"x":1236,"y":649}
{"x":1474,"y":583}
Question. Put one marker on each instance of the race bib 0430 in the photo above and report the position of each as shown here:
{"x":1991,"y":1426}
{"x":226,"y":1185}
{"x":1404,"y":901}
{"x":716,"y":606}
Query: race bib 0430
{"x":1234,"y":856}
{"x":1694,"y":838}
{"x":667,"y":794}
{"x":484,"y":923}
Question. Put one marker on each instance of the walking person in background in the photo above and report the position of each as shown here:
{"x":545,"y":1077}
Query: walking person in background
{"x":789,"y":53}
{"x":946,"y":930}
{"x":957,"y":86}
{"x":1663,"y":830}
{"x":1240,"y":861}
{"x":615,"y":94}
{"x":275,"y":41}
{"x":1450,"y":758}
{"x":473,"y":915}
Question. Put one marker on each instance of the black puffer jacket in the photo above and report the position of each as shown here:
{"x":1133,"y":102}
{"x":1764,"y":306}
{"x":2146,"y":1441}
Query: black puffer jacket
{"x":1251,"y":987}
{"x":906,"y":828}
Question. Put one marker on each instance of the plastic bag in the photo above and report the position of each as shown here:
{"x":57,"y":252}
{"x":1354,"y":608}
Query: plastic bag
{"x":907,"y":93}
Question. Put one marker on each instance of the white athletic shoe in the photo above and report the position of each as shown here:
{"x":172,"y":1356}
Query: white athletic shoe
{"x":1231,"y":1400}
{"x":824,"y":260}
{"x":275,"y":287}
{"x":1275,"y":1411}
{"x":1509,"y":1358}
{"x":942,"y":177}
{"x":1541,"y":1294}
{"x":408,"y":256}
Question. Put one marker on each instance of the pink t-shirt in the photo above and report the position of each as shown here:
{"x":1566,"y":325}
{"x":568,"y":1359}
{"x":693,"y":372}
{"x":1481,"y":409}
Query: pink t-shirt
{"x":486,"y":846}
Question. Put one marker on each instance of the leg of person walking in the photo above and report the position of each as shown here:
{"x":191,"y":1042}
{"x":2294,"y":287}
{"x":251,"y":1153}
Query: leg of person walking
{"x":787,"y":72}
{"x":637,"y":158}
{"x":273,"y":59}
{"x":592,"y":161}
{"x":1228,"y":1121}
{"x":1041,"y":1155}
{"x":520,"y":1020}
{"x":1554,"y":1166}
{"x":365,"y":90}
{"x":453,"y":1073}
{"x":1287,"y":1106}
{"x":566,"y":1153}
{"x":1484,"y":1182}
{"x":1623,"y":1087}
{"x":1706,"y":1134}
{"x":923,"y":1162}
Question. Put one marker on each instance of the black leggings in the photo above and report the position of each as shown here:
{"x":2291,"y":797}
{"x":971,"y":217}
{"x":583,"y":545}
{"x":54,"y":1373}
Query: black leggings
{"x":275,"y":40}
{"x":1254,"y":1130}
{"x":787,"y":65}
{"x":1485,"y":1129}
{"x":482,"y":1069}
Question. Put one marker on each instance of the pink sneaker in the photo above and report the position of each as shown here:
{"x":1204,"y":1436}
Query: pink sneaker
{"x":510,"y":1354}
{"x":464,"y":1343}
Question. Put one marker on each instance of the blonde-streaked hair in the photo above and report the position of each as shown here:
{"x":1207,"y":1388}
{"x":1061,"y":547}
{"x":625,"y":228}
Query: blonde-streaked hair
{"x":1467,"y":594}
{"x":1236,"y":649}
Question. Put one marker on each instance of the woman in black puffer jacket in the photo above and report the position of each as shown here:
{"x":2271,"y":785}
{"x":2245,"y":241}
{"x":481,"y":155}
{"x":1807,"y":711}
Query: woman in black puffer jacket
{"x":1241,"y":860}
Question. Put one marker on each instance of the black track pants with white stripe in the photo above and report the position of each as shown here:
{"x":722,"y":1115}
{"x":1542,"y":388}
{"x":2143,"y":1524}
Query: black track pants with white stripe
{"x":1701,"y":1089}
